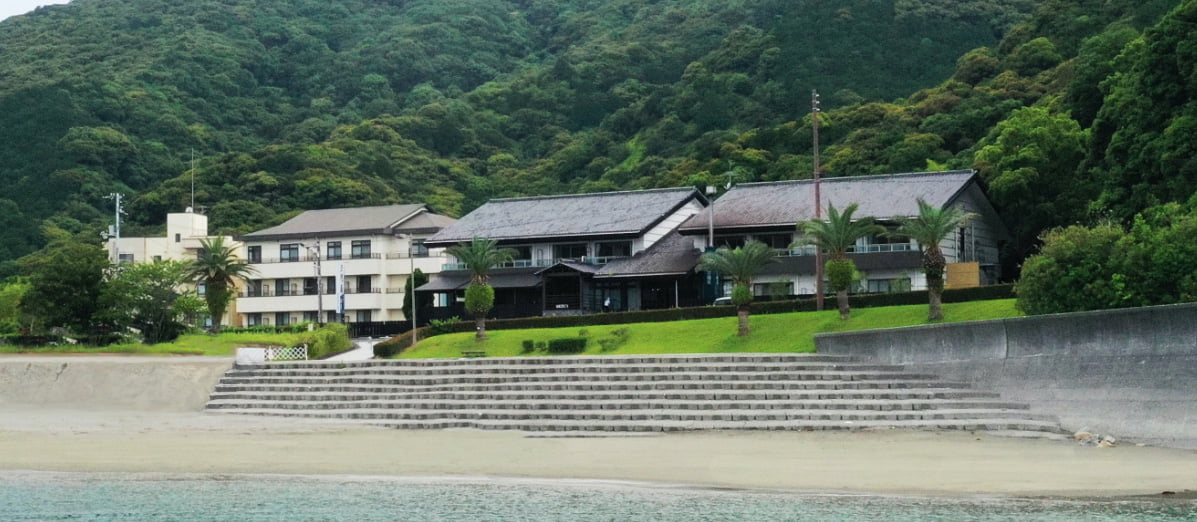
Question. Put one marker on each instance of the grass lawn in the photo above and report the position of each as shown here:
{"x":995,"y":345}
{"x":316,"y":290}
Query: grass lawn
{"x":792,"y":332}
{"x":190,"y":344}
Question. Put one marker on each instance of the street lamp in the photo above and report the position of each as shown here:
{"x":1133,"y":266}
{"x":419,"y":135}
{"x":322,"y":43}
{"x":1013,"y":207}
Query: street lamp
{"x":411,"y":274}
{"x":319,"y":293}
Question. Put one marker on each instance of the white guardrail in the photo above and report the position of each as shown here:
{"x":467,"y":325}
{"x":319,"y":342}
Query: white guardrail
{"x":255,"y":355}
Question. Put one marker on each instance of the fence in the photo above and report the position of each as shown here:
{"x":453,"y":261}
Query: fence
{"x":287,"y":353}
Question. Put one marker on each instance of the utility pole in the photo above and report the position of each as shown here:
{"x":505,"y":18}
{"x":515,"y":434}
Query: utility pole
{"x":814,"y":113}
{"x":116,"y":230}
{"x":192,"y":179}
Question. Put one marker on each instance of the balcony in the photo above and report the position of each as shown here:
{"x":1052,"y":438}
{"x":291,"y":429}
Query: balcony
{"x":518,"y":263}
{"x":809,"y":250}
{"x":308,"y":258}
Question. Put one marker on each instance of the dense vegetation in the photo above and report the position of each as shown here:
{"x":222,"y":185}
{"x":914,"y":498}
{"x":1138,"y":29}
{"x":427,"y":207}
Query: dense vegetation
{"x":1072,"y":112}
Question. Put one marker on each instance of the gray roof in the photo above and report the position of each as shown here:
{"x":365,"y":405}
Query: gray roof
{"x":499,"y":278}
{"x":672,"y":255}
{"x":628,"y":213}
{"x":360,"y":220}
{"x":789,"y":202}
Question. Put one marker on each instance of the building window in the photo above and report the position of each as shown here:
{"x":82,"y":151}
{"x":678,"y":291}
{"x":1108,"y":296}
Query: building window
{"x":878,"y":286}
{"x":282,"y":318}
{"x":311,"y":317}
{"x":125,"y":258}
{"x":330,"y":285}
{"x":157,"y":259}
{"x":441,"y":299}
{"x":418,"y":249}
{"x":282,"y":287}
{"x":201,"y":289}
{"x":360,"y":249}
{"x":255,"y":254}
{"x":613,"y":249}
{"x":571,"y":251}
{"x":729,"y":241}
{"x":330,"y":316}
{"x":288,"y":252}
{"x":309,"y":286}
{"x":333,"y":250}
{"x":253,"y":319}
{"x":254,"y":289}
{"x":363,"y":316}
{"x":777,"y":241}
{"x":178,"y":237}
{"x":363,"y":284}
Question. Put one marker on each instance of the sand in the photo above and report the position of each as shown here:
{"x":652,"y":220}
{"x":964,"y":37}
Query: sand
{"x":885,"y":462}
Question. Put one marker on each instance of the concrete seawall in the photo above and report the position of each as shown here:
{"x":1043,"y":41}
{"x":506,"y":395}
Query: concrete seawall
{"x":115,"y":383}
{"x":1130,"y":373}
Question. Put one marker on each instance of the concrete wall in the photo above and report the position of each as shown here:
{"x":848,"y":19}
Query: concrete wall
{"x":110,"y":383}
{"x":1129,"y":373}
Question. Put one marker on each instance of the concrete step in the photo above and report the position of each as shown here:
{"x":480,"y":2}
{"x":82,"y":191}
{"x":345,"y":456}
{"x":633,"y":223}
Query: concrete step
{"x":282,"y":402}
{"x":515,"y":369}
{"x":603,"y":395}
{"x":727,"y":415}
{"x":603,"y":386}
{"x":708,"y":376}
{"x":740,"y":358}
{"x":993,"y":423}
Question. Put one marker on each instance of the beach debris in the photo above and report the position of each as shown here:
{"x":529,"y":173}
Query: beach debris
{"x":1084,"y":437}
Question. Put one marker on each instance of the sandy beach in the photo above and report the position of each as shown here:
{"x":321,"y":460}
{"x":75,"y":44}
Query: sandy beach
{"x":907,"y":462}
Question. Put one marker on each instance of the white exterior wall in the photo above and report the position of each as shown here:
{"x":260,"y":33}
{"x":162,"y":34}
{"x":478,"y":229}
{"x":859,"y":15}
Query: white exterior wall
{"x":389,"y":266}
{"x":666,"y":226}
{"x":184,"y":230}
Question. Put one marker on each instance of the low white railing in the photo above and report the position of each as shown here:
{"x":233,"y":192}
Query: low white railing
{"x":287,"y":353}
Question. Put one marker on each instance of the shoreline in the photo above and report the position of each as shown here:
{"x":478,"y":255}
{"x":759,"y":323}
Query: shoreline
{"x":886,"y":462}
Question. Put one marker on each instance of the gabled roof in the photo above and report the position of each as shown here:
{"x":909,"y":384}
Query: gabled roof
{"x":332,"y":222}
{"x":672,"y":255}
{"x":786,"y":203}
{"x":604,"y":214}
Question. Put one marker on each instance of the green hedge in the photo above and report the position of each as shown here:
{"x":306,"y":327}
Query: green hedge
{"x":397,"y":344}
{"x":567,"y":345}
{"x":268,"y":328}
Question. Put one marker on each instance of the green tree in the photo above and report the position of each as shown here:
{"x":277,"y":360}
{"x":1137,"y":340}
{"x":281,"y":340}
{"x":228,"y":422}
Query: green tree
{"x":151,"y":297}
{"x":1030,"y":164}
{"x":409,"y":295}
{"x":740,"y":265}
{"x":1076,"y":269}
{"x":66,"y":279}
{"x":836,"y":236}
{"x":930,"y":228}
{"x":480,"y":256}
{"x":11,"y":294}
{"x":218,"y":268}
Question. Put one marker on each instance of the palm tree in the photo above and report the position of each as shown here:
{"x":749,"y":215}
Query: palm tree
{"x":218,"y":268}
{"x":836,"y":236}
{"x":930,"y":228}
{"x":480,"y":256}
{"x":740,"y":265}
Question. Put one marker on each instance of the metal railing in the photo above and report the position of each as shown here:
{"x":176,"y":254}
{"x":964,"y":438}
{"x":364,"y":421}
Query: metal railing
{"x":302,"y":258}
{"x":809,"y":250}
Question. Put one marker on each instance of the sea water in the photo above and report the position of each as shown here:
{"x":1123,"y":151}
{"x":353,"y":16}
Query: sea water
{"x":121,"y":496}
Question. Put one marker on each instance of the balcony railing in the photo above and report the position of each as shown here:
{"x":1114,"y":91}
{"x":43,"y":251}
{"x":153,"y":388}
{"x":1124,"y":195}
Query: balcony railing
{"x":518,"y":263}
{"x":306,"y":258}
{"x":601,"y":260}
{"x":809,"y":250}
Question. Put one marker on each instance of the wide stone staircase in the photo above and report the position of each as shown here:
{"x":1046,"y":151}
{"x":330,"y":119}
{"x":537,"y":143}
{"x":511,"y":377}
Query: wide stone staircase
{"x":622,"y":394}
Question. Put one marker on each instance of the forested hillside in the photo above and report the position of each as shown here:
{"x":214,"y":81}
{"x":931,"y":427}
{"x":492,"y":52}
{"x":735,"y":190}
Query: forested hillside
{"x":1072,"y":111}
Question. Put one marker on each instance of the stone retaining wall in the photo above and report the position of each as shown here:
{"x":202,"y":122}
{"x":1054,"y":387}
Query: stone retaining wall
{"x":114,"y":383}
{"x":1131,"y":373}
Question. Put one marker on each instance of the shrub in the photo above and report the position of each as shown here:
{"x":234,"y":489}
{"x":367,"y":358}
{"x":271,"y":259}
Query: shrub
{"x":529,"y":346}
{"x":567,"y":345}
{"x":741,"y":295}
{"x":332,"y":338}
{"x":479,"y":299}
{"x":444,"y":326}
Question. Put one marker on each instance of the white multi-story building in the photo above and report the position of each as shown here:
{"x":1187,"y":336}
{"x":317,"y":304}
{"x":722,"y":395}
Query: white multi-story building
{"x":184,"y":231}
{"x":371,"y":250}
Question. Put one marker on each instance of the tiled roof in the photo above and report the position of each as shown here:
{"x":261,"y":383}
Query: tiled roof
{"x":791,"y":202}
{"x":673,"y":254}
{"x":360,"y":220}
{"x":602,"y":214}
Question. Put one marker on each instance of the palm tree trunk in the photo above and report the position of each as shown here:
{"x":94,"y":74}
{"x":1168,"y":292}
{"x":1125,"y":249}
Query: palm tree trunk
{"x":480,"y":326}
{"x":742,"y":312}
{"x":934,"y":265}
{"x":841,"y":299}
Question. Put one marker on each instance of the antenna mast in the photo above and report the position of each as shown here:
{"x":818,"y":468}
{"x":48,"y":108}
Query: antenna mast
{"x":192,"y":179}
{"x":116,"y":245}
{"x":814,"y":113}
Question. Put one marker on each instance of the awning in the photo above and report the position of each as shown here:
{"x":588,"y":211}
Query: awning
{"x":513,"y":280}
{"x":440,"y":283}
